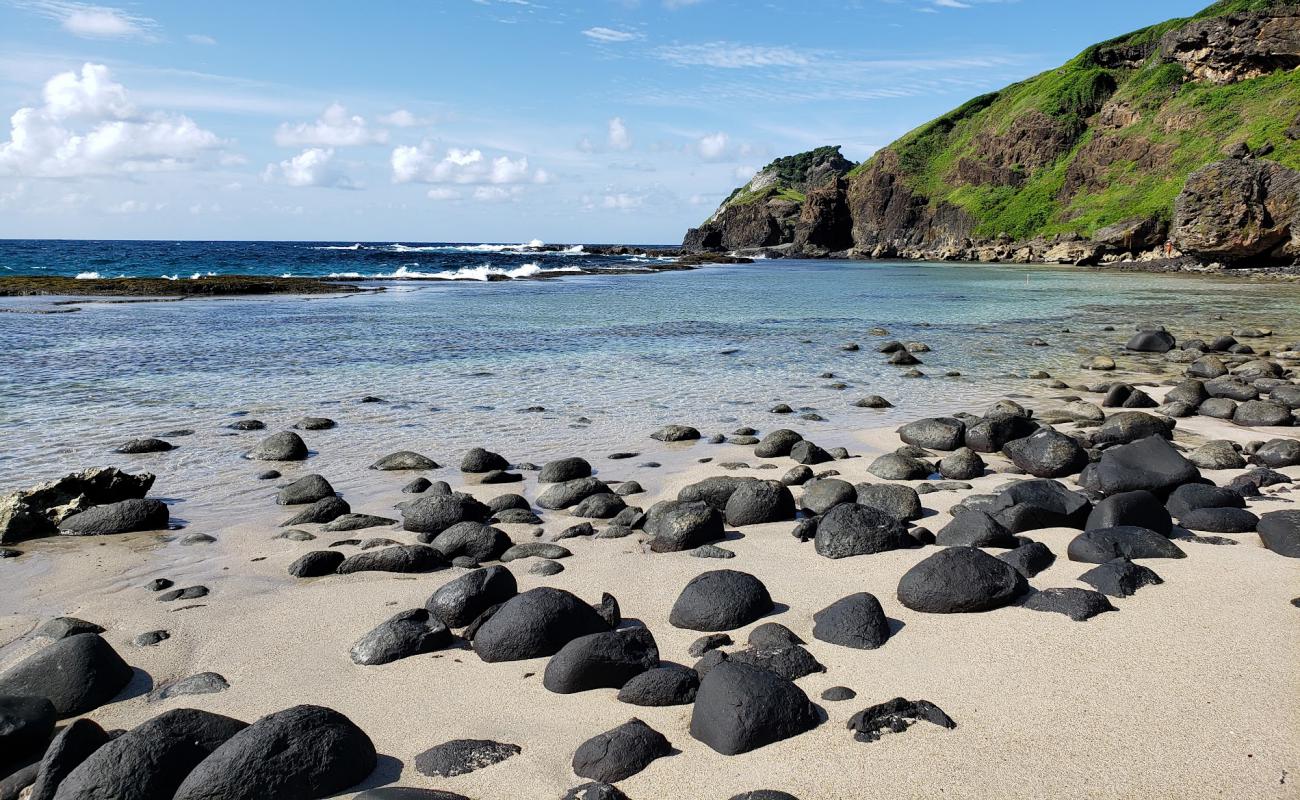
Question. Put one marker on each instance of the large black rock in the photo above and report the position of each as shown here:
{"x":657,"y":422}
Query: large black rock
{"x":462,"y":756}
{"x":307,"y":489}
{"x":1120,"y":577}
{"x":667,"y":685}
{"x":434,"y":513}
{"x":25,"y":726}
{"x":406,"y":558}
{"x":1280,"y":532}
{"x":1128,"y":541}
{"x":1077,"y":604}
{"x":406,"y":634}
{"x":620,"y":753}
{"x":850,"y":529}
{"x":1138,"y":508}
{"x":1047,"y":454}
{"x":473,"y":540}
{"x":458,"y":602}
{"x":720,"y":600}
{"x":604,"y":660}
{"x":124,"y":516}
{"x":299,"y":753}
{"x":535,"y":623}
{"x":855,"y":621}
{"x":739,"y":708}
{"x":757,"y":502}
{"x":77,"y":674}
{"x":1151,"y":464}
{"x":935,"y":433}
{"x":73,"y":745}
{"x":150,"y":760}
{"x":823,"y":494}
{"x":974,"y":528}
{"x":959,"y":580}
{"x":678,"y":525}
{"x":1031,"y":505}
{"x":1191,"y":496}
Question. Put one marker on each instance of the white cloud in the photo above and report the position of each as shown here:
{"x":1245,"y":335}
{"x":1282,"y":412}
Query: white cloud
{"x":622,"y":201}
{"x":198,"y":38}
{"x":728,"y":55}
{"x":91,"y":21}
{"x":951,"y":4}
{"x":610,"y":35}
{"x":134,"y":207}
{"x":335,"y":128}
{"x":401,"y":118}
{"x":619,"y":138}
{"x":88,"y":126}
{"x":312,"y":167}
{"x":443,"y":193}
{"x":714,"y":146}
{"x":673,"y":5}
{"x":496,"y":194}
{"x":460,"y":166}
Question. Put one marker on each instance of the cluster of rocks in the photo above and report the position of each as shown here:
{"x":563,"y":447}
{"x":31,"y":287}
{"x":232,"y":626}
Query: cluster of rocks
{"x":101,"y":500}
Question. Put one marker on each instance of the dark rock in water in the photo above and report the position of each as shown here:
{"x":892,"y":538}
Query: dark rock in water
{"x":1151,"y":341}
{"x":407,"y":793}
{"x":661,"y":686}
{"x":836,"y":694}
{"x":1280,"y":532}
{"x":873,"y":401}
{"x":316,"y":563}
{"x":432,"y":514}
{"x":777,"y":443}
{"x":151,"y":638}
{"x":1120,"y":577}
{"x":305,"y":751}
{"x":404,"y":460}
{"x":1121,"y":395}
{"x":326,"y":509}
{"x":1220,"y":520}
{"x":898,"y":501}
{"x":720,"y":600}
{"x":307,"y":489}
{"x":789,"y":661}
{"x":599,"y":506}
{"x":899,"y":467}
{"x":535,"y":550}
{"x":823,"y":494}
{"x":974,"y":528}
{"x":570,"y":493}
{"x":480,"y":460}
{"x":357,"y":522}
{"x":707,"y":643}
{"x":1191,"y":496}
{"x":417,"y":486}
{"x":1077,"y":604}
{"x":740,"y":708}
{"x":315,"y":424}
{"x":74,"y":744}
{"x":936,"y":433}
{"x":283,"y":446}
{"x":463,"y":756}
{"x":141,"y":446}
{"x":677,"y":525}
{"x":405,"y":558}
{"x":1047,"y":454}
{"x":676,"y":433}
{"x":35,"y":512}
{"x":564,"y":469}
{"x":1138,"y":508}
{"x":959,"y":580}
{"x":63,"y":627}
{"x":1105,"y":544}
{"x":855,"y":621}
{"x":406,"y":634}
{"x":850,"y":529}
{"x":25,"y":726}
{"x":895,"y":716}
{"x":535,"y":623}
{"x":1030,"y":505}
{"x":1029,"y":559}
{"x":77,"y":674}
{"x":188,"y":593}
{"x":151,"y":760}
{"x":125,"y":516}
{"x":595,"y":790}
{"x":805,"y":452}
{"x":628,"y":488}
{"x":1151,"y":464}
{"x":1278,"y":453}
{"x":620,"y":753}
{"x":202,"y":683}
{"x":457,"y":602}
{"x":962,"y":465}
{"x":758,"y":502}
{"x":247,"y":425}
{"x":473,"y":539}
{"x":604,"y":660}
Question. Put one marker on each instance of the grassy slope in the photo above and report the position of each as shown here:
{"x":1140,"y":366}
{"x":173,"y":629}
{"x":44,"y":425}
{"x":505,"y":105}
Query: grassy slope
{"x":1253,"y":111}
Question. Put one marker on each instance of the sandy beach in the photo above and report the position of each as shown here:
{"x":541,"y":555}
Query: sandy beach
{"x":1188,"y":690}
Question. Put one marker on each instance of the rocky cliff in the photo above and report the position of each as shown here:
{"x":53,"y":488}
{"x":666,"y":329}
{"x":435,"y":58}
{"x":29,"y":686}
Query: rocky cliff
{"x":1178,"y":139}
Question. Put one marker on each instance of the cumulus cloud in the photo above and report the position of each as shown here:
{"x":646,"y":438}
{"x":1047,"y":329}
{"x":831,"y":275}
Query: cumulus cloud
{"x":714,"y":146}
{"x":401,"y":118}
{"x":87,"y":125}
{"x":610,"y":35}
{"x":335,"y":128}
{"x":618,"y":138}
{"x":312,"y":167}
{"x":622,"y":201}
{"x":422,"y":164}
{"x":91,"y":21}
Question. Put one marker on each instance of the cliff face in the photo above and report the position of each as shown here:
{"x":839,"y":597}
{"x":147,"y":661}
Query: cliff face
{"x":1186,"y":133}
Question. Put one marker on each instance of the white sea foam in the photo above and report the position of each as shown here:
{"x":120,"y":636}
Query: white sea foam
{"x":477,"y":248}
{"x":483,"y":272}
{"x":88,"y":276}
{"x":356,"y":246}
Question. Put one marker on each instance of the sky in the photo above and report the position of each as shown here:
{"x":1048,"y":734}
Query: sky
{"x":476,"y":120}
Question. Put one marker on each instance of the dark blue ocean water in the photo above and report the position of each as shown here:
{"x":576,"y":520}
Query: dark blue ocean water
{"x":379,"y":260}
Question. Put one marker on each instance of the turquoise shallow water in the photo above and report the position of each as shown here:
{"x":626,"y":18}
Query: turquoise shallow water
{"x":609,"y":357}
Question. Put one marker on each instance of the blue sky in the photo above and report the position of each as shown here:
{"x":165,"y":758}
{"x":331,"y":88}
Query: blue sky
{"x":476,"y":120}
